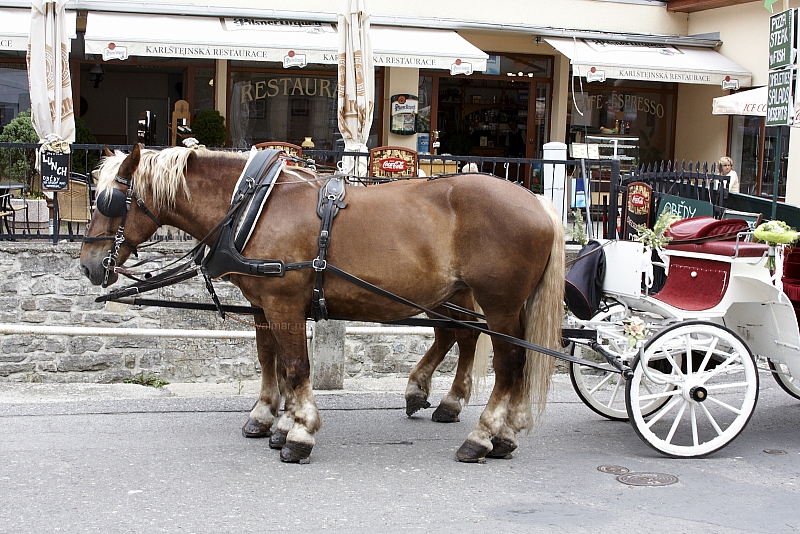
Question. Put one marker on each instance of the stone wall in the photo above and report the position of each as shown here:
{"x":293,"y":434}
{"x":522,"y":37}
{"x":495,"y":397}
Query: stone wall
{"x":40,"y":284}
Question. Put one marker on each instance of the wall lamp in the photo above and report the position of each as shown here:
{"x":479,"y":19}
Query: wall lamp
{"x":96,"y":75}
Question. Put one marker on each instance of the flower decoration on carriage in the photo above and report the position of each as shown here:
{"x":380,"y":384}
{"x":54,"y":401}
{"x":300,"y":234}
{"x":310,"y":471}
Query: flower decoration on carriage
{"x":654,"y":238}
{"x":775,"y":233}
{"x":635,"y":330}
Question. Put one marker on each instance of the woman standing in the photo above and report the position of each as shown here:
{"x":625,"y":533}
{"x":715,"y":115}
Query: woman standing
{"x":726,"y":169}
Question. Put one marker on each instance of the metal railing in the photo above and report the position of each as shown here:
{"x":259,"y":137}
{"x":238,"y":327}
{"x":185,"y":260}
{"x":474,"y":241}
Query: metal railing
{"x":63,"y":215}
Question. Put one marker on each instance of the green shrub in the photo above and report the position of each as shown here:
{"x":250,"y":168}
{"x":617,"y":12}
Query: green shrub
{"x":18,"y":164}
{"x":209,"y":128}
{"x":84,"y":136}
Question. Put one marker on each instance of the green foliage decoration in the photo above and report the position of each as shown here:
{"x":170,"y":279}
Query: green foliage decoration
{"x":18,"y":164}
{"x":84,"y":136}
{"x":209,"y":128}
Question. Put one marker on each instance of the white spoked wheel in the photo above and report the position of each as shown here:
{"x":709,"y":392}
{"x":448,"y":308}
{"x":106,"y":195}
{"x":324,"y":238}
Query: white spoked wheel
{"x":716,"y":389}
{"x":603,"y":390}
{"x":783,"y":376}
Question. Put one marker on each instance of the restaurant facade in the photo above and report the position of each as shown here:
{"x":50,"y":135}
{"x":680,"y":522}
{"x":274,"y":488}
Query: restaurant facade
{"x":638,"y":76}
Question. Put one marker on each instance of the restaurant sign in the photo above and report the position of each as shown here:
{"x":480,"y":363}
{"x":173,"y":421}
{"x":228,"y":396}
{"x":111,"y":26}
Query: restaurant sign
{"x":782,"y":35}
{"x":780,"y":110}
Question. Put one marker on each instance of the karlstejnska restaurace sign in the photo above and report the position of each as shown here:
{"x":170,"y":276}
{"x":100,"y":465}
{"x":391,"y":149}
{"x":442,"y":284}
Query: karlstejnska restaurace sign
{"x":663,"y":76}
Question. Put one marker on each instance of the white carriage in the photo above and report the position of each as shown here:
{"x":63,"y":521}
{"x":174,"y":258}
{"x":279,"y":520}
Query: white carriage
{"x":692,"y":348}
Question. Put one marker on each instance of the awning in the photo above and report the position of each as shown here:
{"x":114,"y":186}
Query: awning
{"x":15,"y":25}
{"x":292,"y":43}
{"x":752,"y":102}
{"x":598,"y":60}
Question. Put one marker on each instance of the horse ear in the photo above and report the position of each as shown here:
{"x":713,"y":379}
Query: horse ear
{"x":106,"y":152}
{"x":131,"y":162}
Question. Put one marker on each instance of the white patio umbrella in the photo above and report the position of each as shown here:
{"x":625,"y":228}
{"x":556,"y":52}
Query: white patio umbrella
{"x":356,"y":84}
{"x":49,"y":77}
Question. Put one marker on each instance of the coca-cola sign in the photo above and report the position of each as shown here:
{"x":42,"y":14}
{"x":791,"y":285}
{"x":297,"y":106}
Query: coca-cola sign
{"x":638,"y":200}
{"x":393,"y":164}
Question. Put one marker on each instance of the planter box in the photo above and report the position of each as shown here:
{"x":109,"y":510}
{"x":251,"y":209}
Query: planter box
{"x":37,"y":215}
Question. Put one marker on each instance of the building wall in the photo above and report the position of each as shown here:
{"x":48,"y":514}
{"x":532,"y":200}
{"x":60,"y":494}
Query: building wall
{"x":580,"y":14}
{"x":744,"y":30}
{"x":700,"y":136}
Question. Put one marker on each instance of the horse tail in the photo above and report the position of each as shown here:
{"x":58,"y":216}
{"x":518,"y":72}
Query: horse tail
{"x":544,"y":311}
{"x":480,"y":363}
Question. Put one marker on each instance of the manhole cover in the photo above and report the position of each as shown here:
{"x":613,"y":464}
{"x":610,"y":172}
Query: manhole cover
{"x":647,"y":479}
{"x":613,"y":469}
{"x":774,"y":451}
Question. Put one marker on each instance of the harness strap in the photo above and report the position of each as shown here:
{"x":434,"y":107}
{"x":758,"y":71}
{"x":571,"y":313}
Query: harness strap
{"x":331,"y":197}
{"x":467,"y":324}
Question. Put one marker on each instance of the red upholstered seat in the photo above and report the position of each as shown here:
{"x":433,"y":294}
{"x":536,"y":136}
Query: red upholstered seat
{"x":706,"y":228}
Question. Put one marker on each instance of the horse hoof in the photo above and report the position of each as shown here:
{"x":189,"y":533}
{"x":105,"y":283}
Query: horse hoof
{"x":444,"y":414}
{"x":295,"y":452}
{"x":277,"y":440}
{"x":254,"y":429}
{"x":416,"y":403}
{"x":471,"y":452}
{"x":502,"y":448}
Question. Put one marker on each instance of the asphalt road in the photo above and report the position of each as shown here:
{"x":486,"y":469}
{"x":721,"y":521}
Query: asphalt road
{"x":136,"y":460}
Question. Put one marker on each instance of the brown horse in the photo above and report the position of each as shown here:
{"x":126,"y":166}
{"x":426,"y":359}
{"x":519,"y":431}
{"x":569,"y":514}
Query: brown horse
{"x":473,"y":357}
{"x":423,"y":240}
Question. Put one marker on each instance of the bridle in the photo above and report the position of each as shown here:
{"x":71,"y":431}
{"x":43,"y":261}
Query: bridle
{"x":115,"y":203}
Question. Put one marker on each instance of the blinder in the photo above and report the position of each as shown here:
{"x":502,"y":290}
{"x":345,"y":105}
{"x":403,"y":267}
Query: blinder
{"x":114,"y":206}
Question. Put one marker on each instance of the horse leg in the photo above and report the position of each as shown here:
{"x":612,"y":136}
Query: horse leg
{"x":451,"y":404}
{"x":509,"y":387}
{"x":293,"y":351}
{"x":263,"y":414}
{"x":286,"y":421}
{"x":419,"y":381}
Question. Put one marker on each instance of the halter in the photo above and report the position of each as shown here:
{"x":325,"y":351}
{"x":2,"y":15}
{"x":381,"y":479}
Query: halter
{"x":118,"y":205}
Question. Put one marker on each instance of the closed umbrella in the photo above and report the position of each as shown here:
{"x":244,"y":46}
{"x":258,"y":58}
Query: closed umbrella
{"x":49,"y":77}
{"x":356,"y":82}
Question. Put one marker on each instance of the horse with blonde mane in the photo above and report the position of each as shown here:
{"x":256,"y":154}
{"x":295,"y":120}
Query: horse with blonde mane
{"x":423,"y":240}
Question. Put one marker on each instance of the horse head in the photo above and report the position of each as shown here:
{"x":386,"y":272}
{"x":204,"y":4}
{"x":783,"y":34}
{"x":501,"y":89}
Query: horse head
{"x":121,"y":222}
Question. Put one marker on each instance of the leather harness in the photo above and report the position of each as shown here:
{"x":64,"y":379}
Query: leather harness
{"x":224,"y":256}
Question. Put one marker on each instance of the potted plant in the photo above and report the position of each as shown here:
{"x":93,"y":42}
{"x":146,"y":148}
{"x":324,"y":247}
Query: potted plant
{"x":209,"y":128}
{"x":19,"y":164}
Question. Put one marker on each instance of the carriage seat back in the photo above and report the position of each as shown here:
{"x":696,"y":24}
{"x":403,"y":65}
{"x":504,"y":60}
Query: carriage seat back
{"x":711,"y":236}
{"x":703,"y":229}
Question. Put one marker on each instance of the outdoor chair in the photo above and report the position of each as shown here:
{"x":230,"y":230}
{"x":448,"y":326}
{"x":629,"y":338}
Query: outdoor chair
{"x":75,"y":204}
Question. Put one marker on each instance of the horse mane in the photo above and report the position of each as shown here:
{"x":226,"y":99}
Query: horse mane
{"x":161,"y":173}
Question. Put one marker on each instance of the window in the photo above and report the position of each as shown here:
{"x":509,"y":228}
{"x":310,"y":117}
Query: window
{"x":14,"y":95}
{"x":289,"y":105}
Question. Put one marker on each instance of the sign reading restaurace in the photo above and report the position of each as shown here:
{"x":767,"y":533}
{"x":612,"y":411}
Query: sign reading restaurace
{"x":779,"y":98}
{"x":781,"y":39}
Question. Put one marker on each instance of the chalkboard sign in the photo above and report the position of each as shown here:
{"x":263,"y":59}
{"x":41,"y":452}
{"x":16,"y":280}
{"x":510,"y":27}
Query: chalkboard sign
{"x":637,"y":209}
{"x":685,"y":208}
{"x":55,"y":171}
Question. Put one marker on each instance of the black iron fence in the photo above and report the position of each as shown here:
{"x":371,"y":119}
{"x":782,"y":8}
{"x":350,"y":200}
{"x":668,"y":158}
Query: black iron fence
{"x":579,"y":187}
{"x":690,"y":181}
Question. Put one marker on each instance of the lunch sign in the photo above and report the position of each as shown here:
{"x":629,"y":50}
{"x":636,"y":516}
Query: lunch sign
{"x":782,"y":64}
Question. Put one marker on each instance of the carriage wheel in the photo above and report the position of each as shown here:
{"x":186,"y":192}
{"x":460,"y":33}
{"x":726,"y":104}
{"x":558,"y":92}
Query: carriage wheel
{"x":603,"y":390}
{"x":716,"y":389}
{"x":783,"y":376}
